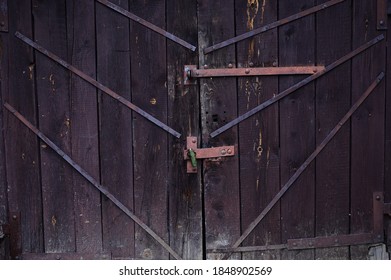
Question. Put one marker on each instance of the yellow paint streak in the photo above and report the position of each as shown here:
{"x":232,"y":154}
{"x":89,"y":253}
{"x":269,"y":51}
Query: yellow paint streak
{"x":267,"y":158}
{"x":252,"y":11}
{"x":54,"y":221}
{"x":260,"y":149}
{"x":263,"y":10}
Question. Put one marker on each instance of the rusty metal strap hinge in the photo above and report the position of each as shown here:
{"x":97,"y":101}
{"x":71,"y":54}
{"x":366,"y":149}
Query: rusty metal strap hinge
{"x":192,"y":153}
{"x":191,"y":72}
{"x":382,"y":14}
{"x":297,"y":86}
{"x":147,"y":24}
{"x":271,"y":26}
{"x":98,"y":85}
{"x":90,"y":179}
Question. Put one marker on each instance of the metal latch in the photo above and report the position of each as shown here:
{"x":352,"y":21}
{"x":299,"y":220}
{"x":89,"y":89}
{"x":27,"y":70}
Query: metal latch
{"x":192,"y":153}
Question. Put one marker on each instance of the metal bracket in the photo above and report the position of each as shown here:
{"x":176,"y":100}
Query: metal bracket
{"x":191,"y":72}
{"x":382,"y":14}
{"x":223,"y":151}
{"x":3,"y":15}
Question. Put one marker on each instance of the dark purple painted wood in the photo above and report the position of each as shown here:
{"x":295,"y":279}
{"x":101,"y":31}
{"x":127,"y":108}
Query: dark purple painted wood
{"x":84,"y":125}
{"x":116,"y":149}
{"x":259,"y":135}
{"x":367,"y":148}
{"x":50,"y":30}
{"x":149,"y":91}
{"x":297,"y":128}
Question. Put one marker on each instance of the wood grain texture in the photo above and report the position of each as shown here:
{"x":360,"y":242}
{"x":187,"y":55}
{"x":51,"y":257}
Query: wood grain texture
{"x":367,"y":158}
{"x":259,"y":135}
{"x":387,"y":151}
{"x":22,"y":153}
{"x":185,"y":193}
{"x":297,"y":128}
{"x":116,"y":130}
{"x":84,"y":125}
{"x":333,"y":40}
{"x":216,"y":22}
{"x":149,"y":91}
{"x":54,"y":120}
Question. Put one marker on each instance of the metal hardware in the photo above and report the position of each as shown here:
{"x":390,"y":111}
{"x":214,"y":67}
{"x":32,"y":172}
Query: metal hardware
{"x":381,"y":14}
{"x":271,"y":26}
{"x":192,"y":153}
{"x":308,"y":161}
{"x":64,"y":256}
{"x":378,"y":213}
{"x":90,"y":179}
{"x":147,"y":24}
{"x":98,"y":85}
{"x":192,"y":72}
{"x":3,"y":15}
{"x":297,"y":86}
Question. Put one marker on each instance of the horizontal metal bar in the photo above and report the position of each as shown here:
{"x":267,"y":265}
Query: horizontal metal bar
{"x":96,"y":84}
{"x":90,"y":179}
{"x":247,"y":249}
{"x":259,"y":71}
{"x":297,"y":86}
{"x":147,"y":24}
{"x":271,"y":26}
{"x":332,"y":241}
{"x":64,"y":256}
{"x":205,"y":153}
{"x":308,"y":161}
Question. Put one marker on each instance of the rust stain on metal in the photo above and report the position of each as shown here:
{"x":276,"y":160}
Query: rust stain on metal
{"x":54,"y":221}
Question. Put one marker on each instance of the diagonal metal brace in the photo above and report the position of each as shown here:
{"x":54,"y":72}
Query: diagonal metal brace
{"x":271,"y":26}
{"x":147,"y":24}
{"x":90,"y":179}
{"x":96,"y":84}
{"x":297,"y":86}
{"x":308,"y":161}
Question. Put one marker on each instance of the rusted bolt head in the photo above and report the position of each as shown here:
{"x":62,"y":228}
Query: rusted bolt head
{"x":230,"y":65}
{"x":223,"y":152}
{"x":14,"y":217}
{"x":294,"y":244}
{"x":247,"y":71}
{"x":381,"y":22}
{"x":336,"y":240}
{"x":197,"y":73}
{"x":378,"y":197}
{"x":229,"y":151}
{"x":58,"y":257}
{"x":379,"y":236}
{"x":315,"y":70}
{"x":206,"y":66}
{"x":194,"y":140}
{"x":274,"y":63}
{"x":2,"y":23}
{"x":251,"y":64}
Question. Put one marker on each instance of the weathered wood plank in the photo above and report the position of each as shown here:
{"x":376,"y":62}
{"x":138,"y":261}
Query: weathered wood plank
{"x":387,"y":152}
{"x":259,"y":135}
{"x":22,"y":153}
{"x":185,"y":193}
{"x":333,"y":40}
{"x":216,"y":21}
{"x":4,"y":76}
{"x":297,"y":128}
{"x":54,"y":120}
{"x":367,"y":148}
{"x":149,"y":91}
{"x":84,"y":125}
{"x":116,"y":150}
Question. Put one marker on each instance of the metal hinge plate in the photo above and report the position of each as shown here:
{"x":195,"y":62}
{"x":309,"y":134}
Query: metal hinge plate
{"x":205,"y":153}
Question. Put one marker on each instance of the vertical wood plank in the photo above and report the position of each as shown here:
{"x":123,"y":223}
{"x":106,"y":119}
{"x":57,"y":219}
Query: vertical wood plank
{"x":367,"y":159}
{"x":185,"y":193}
{"x":332,"y":103}
{"x":297,"y":127}
{"x":84,"y":125}
{"x":4,"y":39}
{"x":149,"y":88}
{"x":218,"y":105}
{"x":387,"y":152}
{"x":50,"y":30}
{"x":116,"y":149}
{"x":259,"y":135}
{"x":22,"y":153}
